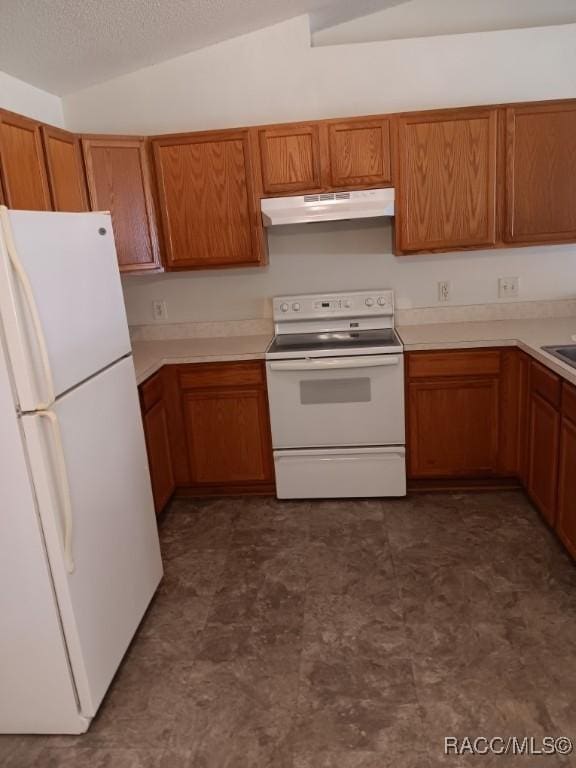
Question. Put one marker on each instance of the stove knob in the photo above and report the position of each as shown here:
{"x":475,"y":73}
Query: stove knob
{"x":382,"y":301}
{"x":296,"y":307}
{"x":284,"y":307}
{"x":348,"y":304}
{"x":369,"y":302}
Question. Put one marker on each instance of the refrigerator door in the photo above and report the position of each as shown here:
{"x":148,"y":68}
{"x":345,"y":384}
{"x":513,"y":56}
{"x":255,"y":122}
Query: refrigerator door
{"x":114,"y":540}
{"x":37,"y":693}
{"x":61,"y":301}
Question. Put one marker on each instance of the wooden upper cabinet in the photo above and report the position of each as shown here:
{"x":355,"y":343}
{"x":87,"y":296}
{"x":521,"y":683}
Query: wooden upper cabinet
{"x":447,"y":184}
{"x":209,"y":210}
{"x":290,"y":159}
{"x":65,"y":168}
{"x":359,"y":153}
{"x":119,"y":181}
{"x":24,"y":178}
{"x":541,"y":173}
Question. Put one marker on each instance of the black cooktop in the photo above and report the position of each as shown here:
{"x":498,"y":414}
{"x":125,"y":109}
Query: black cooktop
{"x":334,"y":340}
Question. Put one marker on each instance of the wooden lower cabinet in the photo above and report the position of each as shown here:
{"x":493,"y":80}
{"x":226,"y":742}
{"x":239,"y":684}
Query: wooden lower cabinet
{"x":566,"y":513}
{"x":460,"y":423}
{"x":158,"y":444}
{"x":226,"y":421}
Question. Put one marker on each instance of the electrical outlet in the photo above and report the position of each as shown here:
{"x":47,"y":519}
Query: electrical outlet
{"x":508,"y":287}
{"x":444,"y":290}
{"x":159,"y":311}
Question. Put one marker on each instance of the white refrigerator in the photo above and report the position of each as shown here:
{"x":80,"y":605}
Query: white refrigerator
{"x":79,"y":551}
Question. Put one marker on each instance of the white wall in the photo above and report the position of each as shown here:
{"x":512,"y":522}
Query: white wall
{"x":275,"y":75}
{"x":25,"y":99}
{"x":350,"y":255}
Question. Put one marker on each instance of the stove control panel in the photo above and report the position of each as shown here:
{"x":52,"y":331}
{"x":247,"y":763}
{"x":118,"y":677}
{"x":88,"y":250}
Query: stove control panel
{"x":316,"y":306}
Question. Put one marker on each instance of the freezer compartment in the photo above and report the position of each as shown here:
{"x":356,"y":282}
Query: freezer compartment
{"x":340,"y":473}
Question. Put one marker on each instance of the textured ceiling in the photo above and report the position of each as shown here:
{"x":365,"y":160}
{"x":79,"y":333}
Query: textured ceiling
{"x":64,"y":45}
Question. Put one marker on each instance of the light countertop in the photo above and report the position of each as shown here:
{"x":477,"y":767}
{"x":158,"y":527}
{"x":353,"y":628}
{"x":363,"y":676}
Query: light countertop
{"x":150,"y":356}
{"x":528,"y":335}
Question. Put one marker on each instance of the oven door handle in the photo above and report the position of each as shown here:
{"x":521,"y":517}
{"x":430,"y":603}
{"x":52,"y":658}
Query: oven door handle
{"x":335,"y":363}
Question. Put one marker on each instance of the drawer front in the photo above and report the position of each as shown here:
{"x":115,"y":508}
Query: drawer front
{"x":151,"y":391}
{"x":569,"y":401}
{"x":461,"y":363}
{"x":545,"y":383}
{"x":207,"y":375}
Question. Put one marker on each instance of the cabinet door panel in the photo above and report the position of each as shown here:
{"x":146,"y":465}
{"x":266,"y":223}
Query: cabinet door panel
{"x":447,"y":185}
{"x":23,"y":171}
{"x":543,"y":455}
{"x":290,"y":159}
{"x":65,"y":170}
{"x":159,"y":459}
{"x":453,"y":427}
{"x":566,"y":521}
{"x":207,"y":202}
{"x":119,"y":181}
{"x":228,"y":436}
{"x":360,"y":153}
{"x":541,"y":173}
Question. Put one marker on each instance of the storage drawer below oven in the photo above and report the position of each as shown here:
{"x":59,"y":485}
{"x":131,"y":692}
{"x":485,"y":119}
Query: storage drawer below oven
{"x":342,"y":473}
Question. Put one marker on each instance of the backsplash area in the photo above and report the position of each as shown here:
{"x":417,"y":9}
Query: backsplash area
{"x":355,"y":255}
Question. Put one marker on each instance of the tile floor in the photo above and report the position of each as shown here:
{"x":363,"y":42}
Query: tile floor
{"x":350,"y":634}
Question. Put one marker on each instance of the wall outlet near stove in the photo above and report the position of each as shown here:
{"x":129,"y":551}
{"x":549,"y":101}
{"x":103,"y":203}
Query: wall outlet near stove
{"x":508,"y":287}
{"x":159,"y":311}
{"x":444,"y":290}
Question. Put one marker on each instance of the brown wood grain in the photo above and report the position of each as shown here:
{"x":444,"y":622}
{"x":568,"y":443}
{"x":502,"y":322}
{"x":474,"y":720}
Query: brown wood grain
{"x":453,"y":427}
{"x":24,"y":178}
{"x":119,"y":181}
{"x":543,"y":438}
{"x":207,"y":201}
{"x":290,"y":158}
{"x":453,"y":363}
{"x":159,"y":456}
{"x":541,"y":173}
{"x":360,"y":154}
{"x":566,"y":518}
{"x":65,"y":167}
{"x":546,"y":383}
{"x":447,"y":184}
{"x":569,"y":402}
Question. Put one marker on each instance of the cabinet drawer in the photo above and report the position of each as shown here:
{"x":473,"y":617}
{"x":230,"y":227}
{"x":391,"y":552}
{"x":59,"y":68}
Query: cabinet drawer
{"x":207,"y":375}
{"x":151,"y":391}
{"x":440,"y":364}
{"x":545,"y":383}
{"x":569,"y":401}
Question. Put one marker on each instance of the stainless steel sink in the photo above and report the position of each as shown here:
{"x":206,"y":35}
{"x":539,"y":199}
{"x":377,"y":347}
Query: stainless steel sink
{"x":566,"y":353}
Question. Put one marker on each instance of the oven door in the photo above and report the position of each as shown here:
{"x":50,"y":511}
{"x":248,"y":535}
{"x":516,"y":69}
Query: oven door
{"x":337,"y":401}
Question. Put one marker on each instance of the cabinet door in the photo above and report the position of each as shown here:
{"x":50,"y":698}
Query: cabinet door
{"x":359,"y":153}
{"x":65,"y":170}
{"x":290,"y":159}
{"x":566,"y":521}
{"x":24,"y":176}
{"x":225,"y":412}
{"x":453,"y":427}
{"x":544,"y":432}
{"x":119,"y":181}
{"x":447,"y":184}
{"x":159,"y":459}
{"x":541,"y":173}
{"x":207,"y":200}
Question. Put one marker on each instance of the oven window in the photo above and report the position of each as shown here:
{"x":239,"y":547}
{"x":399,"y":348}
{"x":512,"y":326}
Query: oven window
{"x":331,"y":390}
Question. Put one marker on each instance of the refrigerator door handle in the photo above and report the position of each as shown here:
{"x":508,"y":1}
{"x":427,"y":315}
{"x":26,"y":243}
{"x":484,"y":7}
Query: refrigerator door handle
{"x":24,"y":281}
{"x":63,"y":487}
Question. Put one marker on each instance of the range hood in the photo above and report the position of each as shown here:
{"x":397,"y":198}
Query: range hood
{"x":328,"y":206}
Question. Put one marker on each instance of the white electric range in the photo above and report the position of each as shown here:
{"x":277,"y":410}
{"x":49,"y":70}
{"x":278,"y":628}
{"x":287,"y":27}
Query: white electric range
{"x":335,"y":373}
